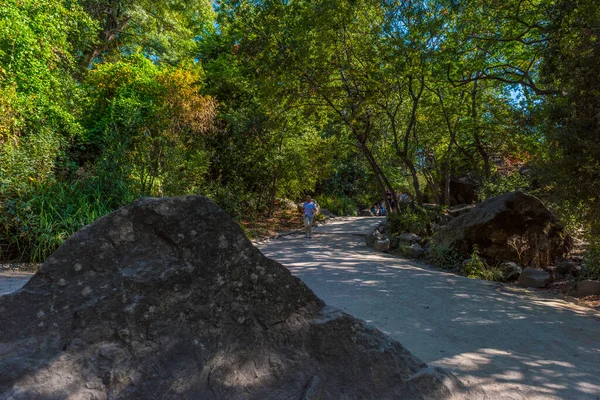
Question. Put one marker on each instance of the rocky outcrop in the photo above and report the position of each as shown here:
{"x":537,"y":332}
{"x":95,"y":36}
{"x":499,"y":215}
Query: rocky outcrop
{"x":287,"y":204}
{"x":462,"y":190}
{"x":588,"y":288}
{"x":512,"y":227}
{"x":167,"y":299}
{"x":460,"y":209}
{"x":535,"y":278}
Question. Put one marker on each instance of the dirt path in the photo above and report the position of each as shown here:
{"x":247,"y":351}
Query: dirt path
{"x":515,"y":343}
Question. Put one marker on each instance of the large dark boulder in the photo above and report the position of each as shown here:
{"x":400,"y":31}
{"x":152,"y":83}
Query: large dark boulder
{"x":166,"y":299}
{"x":511,"y":227}
{"x":463,"y":190}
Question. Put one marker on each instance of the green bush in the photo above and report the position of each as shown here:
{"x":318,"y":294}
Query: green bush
{"x":591,"y":268}
{"x":477,"y":268}
{"x":339,"y":205}
{"x":498,"y":185}
{"x":233,"y":198}
{"x":444,"y":257}
{"x":411,"y":218}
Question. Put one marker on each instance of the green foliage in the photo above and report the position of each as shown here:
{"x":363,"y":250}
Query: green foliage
{"x":35,"y":64}
{"x":444,"y":257}
{"x":476,"y":268}
{"x":411,"y":218}
{"x":149,"y":123}
{"x":499,"y":184}
{"x":234,"y":198}
{"x":571,"y":65}
{"x":166,"y":31}
{"x":107,"y":100}
{"x":339,"y":205}
{"x":35,"y":223}
{"x":591,"y":268}
{"x":572,"y":213}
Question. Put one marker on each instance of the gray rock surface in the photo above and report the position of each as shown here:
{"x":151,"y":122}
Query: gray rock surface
{"x":382,"y":245}
{"x":535,"y":278}
{"x":460,"y":209}
{"x":414,"y":251}
{"x":510,"y":270}
{"x":462,"y":190}
{"x":373,"y":237}
{"x":588,"y":288}
{"x":538,"y":237}
{"x":409,"y":237}
{"x":167,"y":299}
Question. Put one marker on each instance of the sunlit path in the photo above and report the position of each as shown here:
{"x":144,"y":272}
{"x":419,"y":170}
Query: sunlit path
{"x":515,"y":343}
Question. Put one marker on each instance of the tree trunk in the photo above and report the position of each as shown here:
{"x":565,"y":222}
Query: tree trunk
{"x":384,"y":183}
{"x":114,"y":24}
{"x":272,"y":198}
{"x":415,"y":178}
{"x":487,"y":170}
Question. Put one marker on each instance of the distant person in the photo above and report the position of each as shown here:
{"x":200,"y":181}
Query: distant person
{"x":375,"y":209}
{"x":309,"y":209}
{"x":382,"y":208}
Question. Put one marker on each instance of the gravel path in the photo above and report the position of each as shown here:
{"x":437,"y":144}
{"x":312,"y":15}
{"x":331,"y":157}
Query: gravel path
{"x":515,"y":343}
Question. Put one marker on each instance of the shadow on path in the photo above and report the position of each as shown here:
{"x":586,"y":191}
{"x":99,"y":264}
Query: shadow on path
{"x":515,"y":343}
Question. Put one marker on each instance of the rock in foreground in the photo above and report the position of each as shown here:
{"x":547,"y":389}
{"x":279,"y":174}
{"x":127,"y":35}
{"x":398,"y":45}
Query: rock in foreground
{"x":511,"y":227}
{"x":166,"y":299}
{"x":535,"y":278}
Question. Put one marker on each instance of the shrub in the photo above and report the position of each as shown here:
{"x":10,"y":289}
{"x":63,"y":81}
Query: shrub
{"x":411,"y":218}
{"x":498,"y":185}
{"x":591,"y":268}
{"x":234,"y":198}
{"x":477,"y":268}
{"x":444,"y":257}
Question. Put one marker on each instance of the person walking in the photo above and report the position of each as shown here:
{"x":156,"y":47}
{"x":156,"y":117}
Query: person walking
{"x":308,"y":210}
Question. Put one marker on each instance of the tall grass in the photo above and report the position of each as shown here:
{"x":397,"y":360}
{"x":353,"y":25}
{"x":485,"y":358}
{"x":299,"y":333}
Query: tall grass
{"x":35,"y":222}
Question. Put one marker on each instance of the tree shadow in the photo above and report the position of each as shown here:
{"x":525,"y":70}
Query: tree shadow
{"x":514,"y":342}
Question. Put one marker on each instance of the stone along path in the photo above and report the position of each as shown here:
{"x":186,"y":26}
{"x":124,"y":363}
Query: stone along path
{"x":515,"y":343}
